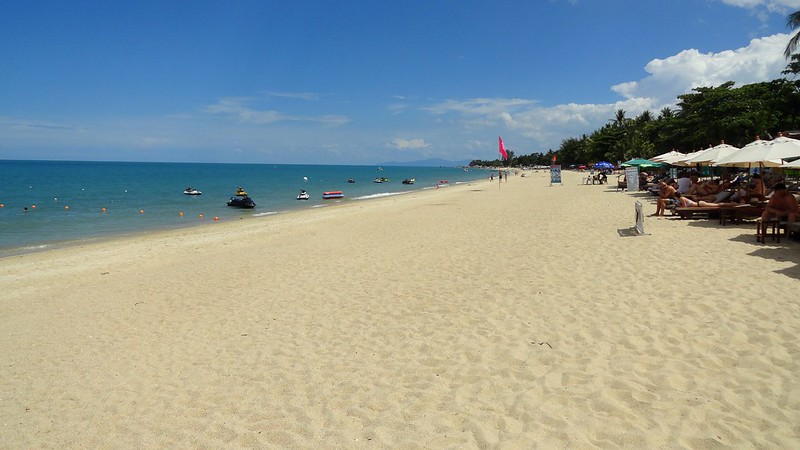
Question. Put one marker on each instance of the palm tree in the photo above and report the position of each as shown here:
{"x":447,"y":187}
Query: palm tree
{"x":793,"y":21}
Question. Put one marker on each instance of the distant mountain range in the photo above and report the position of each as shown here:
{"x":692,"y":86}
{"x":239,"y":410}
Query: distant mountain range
{"x":433,"y":162}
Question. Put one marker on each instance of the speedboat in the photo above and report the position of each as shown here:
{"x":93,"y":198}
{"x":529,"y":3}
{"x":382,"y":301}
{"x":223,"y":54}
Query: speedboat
{"x":241,"y":199}
{"x":409,"y":181}
{"x":242,"y":202}
{"x":380,"y":180}
{"x":327,"y":195}
{"x":191,"y":191}
{"x":303,"y":195}
{"x":350,"y":180}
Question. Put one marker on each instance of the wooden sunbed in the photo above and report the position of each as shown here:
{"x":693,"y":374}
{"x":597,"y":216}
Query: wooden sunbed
{"x":688,"y":212}
{"x":738,"y":213}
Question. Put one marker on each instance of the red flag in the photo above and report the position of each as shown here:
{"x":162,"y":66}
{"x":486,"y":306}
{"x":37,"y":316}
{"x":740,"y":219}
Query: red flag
{"x":502,"y":148}
{"x":554,"y":158}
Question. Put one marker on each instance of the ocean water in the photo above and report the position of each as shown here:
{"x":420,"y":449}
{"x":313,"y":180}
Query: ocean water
{"x":49,"y":203}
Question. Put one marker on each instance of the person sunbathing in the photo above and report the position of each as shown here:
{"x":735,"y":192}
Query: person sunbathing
{"x":682,"y":200}
{"x":781,"y":205}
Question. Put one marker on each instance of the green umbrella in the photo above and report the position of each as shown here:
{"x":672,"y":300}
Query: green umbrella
{"x":641,"y":163}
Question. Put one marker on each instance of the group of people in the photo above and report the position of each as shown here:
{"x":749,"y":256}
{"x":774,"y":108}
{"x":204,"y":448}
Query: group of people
{"x":688,"y":191}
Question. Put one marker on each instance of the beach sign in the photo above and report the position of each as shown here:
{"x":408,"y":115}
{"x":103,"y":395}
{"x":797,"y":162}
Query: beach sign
{"x":555,"y":174}
{"x":632,"y":177}
{"x":639,"y":218}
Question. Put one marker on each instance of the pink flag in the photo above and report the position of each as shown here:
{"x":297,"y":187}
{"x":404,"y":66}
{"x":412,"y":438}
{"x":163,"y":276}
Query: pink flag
{"x":502,"y":148}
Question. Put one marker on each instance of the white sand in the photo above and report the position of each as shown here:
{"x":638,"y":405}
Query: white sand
{"x":466,"y":317}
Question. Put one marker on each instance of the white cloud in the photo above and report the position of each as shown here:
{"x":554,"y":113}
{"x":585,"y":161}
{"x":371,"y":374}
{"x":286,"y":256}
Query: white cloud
{"x":542,"y":127}
{"x":761,"y":60}
{"x":778,"y":6}
{"x":405,"y":144}
{"x":237,"y":107}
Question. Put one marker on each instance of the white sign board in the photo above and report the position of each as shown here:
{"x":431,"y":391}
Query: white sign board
{"x":632,"y":176}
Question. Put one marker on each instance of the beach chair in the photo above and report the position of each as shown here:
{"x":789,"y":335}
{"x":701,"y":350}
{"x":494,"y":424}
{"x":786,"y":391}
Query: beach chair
{"x":688,"y":212}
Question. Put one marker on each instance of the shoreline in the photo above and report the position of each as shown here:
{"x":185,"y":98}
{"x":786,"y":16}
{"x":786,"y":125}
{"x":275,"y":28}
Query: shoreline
{"x":472,"y":316}
{"x":192,"y":224}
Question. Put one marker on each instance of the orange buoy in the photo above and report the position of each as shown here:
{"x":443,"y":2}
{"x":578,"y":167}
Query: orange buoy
{"x":103,"y":209}
{"x":201,"y":216}
{"x":216,"y":218}
{"x":33,"y":206}
{"x":180,"y":213}
{"x":66,"y":207}
{"x":141,"y":211}
{"x":2,"y":205}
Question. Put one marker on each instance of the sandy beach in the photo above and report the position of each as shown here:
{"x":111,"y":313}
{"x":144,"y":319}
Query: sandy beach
{"x":473,"y":316}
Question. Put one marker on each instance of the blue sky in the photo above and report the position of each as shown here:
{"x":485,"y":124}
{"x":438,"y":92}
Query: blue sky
{"x":357,"y":81}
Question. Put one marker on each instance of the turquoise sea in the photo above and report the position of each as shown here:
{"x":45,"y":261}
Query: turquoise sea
{"x":50,"y":203}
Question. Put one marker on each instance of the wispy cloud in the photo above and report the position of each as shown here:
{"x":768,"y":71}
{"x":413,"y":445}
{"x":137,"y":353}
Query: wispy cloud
{"x":773,"y":6}
{"x":405,"y":144}
{"x":23,"y":125}
{"x":546,"y":125}
{"x":310,"y":96}
{"x":239,"y":108}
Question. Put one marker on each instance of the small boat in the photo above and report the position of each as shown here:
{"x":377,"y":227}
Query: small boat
{"x":409,"y":181}
{"x":350,"y":180}
{"x":191,"y":191}
{"x":242,"y":202}
{"x":241,"y":199}
{"x":303,"y":195}
{"x":327,"y":195}
{"x":380,"y":180}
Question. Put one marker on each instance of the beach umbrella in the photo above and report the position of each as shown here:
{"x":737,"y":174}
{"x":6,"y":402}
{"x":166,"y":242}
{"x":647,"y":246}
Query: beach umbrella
{"x":581,"y":167}
{"x":641,"y":163}
{"x":793,"y":164}
{"x":783,"y":148}
{"x":711,"y":155}
{"x":669,"y":157}
{"x":681,"y":161}
{"x":752,"y":153}
{"x":603,"y":165}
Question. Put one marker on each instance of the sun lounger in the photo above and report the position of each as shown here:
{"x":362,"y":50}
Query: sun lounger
{"x":688,"y":212}
{"x":738,"y":213}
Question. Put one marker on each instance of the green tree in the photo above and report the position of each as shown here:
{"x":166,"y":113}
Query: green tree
{"x":793,"y":21}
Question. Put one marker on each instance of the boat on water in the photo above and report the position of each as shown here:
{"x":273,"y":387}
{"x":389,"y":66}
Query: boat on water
{"x":350,"y":180}
{"x":380,"y":180}
{"x":241,"y":199}
{"x":191,"y":191}
{"x":327,"y":195}
{"x":409,"y":181}
{"x":443,"y":183}
{"x":303,"y":195}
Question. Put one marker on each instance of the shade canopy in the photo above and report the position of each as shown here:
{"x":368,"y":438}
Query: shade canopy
{"x":711,"y":155}
{"x":669,"y":157}
{"x":751,"y":154}
{"x":641,"y":163}
{"x":783,"y":148}
{"x":603,"y":165}
{"x":793,"y":164}
{"x":681,"y":161}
